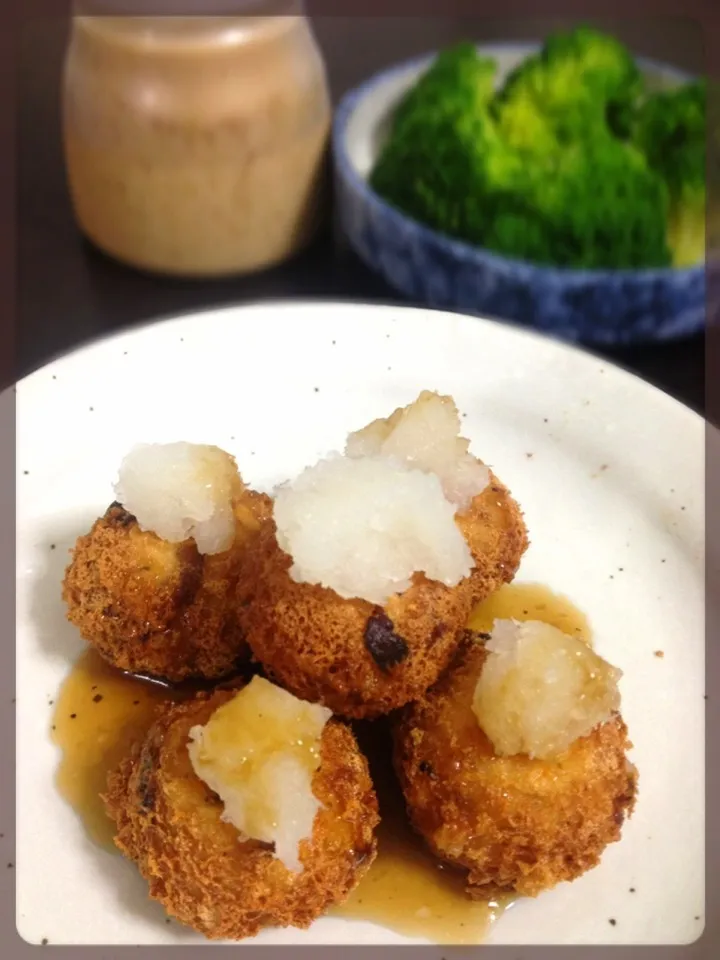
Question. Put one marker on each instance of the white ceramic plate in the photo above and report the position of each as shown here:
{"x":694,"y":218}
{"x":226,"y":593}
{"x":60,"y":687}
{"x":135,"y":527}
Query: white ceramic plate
{"x":614,"y":500}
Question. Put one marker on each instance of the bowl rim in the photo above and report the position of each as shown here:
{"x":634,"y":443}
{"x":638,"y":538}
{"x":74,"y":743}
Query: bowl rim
{"x":460,"y":249}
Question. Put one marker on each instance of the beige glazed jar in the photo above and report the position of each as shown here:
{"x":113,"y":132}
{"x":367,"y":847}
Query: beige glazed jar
{"x":196,"y":145}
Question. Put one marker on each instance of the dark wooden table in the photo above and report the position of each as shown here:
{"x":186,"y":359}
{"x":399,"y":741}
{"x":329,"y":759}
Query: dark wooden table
{"x":69,"y":294}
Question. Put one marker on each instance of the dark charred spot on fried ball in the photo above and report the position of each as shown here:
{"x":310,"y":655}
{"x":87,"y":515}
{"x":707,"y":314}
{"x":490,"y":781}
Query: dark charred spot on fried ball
{"x":117,"y":514}
{"x":439,"y":630}
{"x":146,"y":788}
{"x":621,"y":806}
{"x":191,"y":578}
{"x":386,"y":647}
{"x":425,"y":767}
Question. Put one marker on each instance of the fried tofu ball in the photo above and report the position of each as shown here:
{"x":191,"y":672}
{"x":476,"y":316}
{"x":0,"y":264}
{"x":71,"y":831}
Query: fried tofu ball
{"x":517,"y":825}
{"x":154,"y":607}
{"x":197,"y":864}
{"x":365,"y":579}
{"x":358,"y":658}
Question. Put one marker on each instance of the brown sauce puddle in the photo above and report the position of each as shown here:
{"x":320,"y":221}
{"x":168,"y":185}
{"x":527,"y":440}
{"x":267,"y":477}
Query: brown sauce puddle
{"x":100,"y":711}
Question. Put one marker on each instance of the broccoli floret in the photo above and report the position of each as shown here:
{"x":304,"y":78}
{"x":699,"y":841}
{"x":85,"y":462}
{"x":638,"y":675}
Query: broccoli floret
{"x":524,"y":126}
{"x":670,"y":129}
{"x":591,"y":205}
{"x":609,"y":209}
{"x":431,"y":163}
{"x":458,"y":81}
{"x":433,"y":168}
{"x":505,"y":174}
{"x":581,"y":82}
{"x":595,"y":205}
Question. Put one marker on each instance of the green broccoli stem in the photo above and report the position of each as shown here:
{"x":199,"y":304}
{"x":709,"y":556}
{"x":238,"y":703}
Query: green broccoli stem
{"x":686,"y":232}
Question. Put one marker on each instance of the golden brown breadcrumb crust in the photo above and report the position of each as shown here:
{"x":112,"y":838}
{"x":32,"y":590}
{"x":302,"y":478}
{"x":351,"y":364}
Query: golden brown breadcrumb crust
{"x":160,"y":608}
{"x":518,"y":826}
{"x":169,"y":823}
{"x":359,"y":660}
{"x":495,"y":531}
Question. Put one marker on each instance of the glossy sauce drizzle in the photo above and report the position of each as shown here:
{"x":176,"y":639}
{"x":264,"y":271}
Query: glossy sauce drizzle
{"x":531,"y":601}
{"x":100,"y":712}
{"x":407,"y":890}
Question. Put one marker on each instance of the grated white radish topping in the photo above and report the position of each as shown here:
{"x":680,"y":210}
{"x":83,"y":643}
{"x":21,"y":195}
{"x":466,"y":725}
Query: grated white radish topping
{"x":426,"y":435}
{"x":540,"y":689}
{"x":181,"y":490}
{"x":258,"y":752}
{"x":362,"y":527}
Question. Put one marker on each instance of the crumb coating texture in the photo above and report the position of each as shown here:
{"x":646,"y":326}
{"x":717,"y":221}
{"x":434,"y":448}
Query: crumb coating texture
{"x":200,"y":868}
{"x":517,"y":826}
{"x":159,"y":608}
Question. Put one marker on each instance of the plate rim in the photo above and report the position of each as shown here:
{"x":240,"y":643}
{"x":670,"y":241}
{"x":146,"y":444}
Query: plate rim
{"x":291,"y":303}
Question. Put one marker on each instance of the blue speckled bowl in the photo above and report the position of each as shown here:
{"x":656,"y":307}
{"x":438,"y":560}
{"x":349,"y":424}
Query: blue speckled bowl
{"x":592,"y":306}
